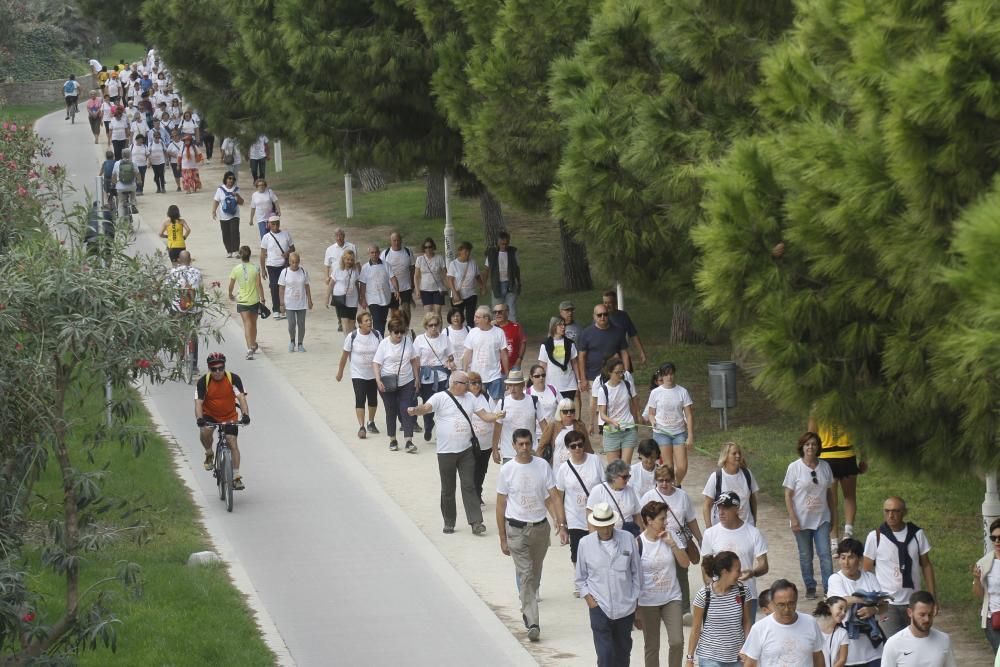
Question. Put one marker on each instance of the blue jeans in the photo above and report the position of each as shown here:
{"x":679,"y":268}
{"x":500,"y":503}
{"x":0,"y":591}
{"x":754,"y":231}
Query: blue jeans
{"x":663,"y":439}
{"x":262,"y":228}
{"x":494,"y":388}
{"x":821,"y":538}
{"x":612,"y":638}
{"x":509,"y":298}
{"x":705,"y":662}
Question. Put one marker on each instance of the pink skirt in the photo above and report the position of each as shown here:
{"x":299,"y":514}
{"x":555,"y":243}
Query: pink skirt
{"x":190,"y":180}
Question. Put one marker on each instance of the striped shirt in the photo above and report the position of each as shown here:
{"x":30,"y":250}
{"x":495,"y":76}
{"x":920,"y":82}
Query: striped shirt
{"x":722,"y":629}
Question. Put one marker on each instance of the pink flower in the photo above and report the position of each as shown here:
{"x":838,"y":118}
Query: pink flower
{"x":18,"y":347}
{"x":12,"y":165}
{"x":143,"y":363}
{"x":13,"y":127}
{"x":21,"y":192}
{"x":6,"y":125}
{"x":29,"y":617}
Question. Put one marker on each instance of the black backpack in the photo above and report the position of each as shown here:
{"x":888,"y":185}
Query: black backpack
{"x":718,"y":481}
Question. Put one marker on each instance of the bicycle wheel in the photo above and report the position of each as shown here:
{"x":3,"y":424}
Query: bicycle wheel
{"x":220,"y":457}
{"x":227,"y":474}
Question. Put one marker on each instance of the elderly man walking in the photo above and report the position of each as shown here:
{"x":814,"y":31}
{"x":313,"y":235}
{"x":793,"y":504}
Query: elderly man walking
{"x":609,"y":578}
{"x":893,"y":553}
{"x":525,"y":491}
{"x":786,"y":637}
{"x":456,"y":449}
{"x":743,"y":539}
{"x":486,"y":353}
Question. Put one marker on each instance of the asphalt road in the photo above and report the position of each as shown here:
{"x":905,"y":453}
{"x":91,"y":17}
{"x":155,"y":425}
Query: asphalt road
{"x":336,"y":571}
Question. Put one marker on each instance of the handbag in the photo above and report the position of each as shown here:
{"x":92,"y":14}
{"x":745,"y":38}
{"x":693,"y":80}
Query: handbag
{"x":456,"y":296}
{"x":691,"y":547}
{"x":340,"y":299}
{"x":630,"y":526}
{"x":391,"y":382}
{"x":472,"y":439}
{"x":263,"y":310}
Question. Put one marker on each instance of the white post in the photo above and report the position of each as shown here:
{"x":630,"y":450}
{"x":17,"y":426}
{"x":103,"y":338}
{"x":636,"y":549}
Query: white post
{"x":108,"y":395}
{"x":991,"y":508}
{"x":279,"y":164}
{"x":348,"y":196}
{"x":621,"y":295}
{"x":449,"y":228}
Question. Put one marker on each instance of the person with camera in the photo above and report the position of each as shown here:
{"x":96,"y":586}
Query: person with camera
{"x":457,"y":446}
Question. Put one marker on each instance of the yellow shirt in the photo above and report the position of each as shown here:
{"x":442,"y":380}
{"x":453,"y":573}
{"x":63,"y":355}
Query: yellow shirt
{"x":836,"y":441}
{"x":175,"y":235}
{"x":245,"y":275}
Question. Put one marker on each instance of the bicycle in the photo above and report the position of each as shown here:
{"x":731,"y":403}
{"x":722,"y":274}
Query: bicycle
{"x":187,"y":359}
{"x":223,"y":470}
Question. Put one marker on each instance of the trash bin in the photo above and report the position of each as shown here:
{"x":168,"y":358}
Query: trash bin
{"x":722,"y":384}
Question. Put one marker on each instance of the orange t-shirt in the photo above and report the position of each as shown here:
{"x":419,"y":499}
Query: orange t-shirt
{"x":219,"y":396}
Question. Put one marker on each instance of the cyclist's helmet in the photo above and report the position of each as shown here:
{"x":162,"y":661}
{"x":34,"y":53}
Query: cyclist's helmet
{"x":216,"y":360}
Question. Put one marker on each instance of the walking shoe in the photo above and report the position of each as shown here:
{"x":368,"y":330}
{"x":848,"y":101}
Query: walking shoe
{"x":533,"y":633}
{"x":417,"y":429}
{"x":291,"y":347}
{"x":479,"y":528}
{"x":209,"y":460}
{"x":427,"y":434}
{"x":393,"y":446}
{"x":848,"y":531}
{"x":301,"y":348}
{"x":372,"y":428}
{"x":410,"y":447}
{"x":279,"y":316}
{"x":833,"y":547}
{"x":238,"y":484}
{"x":256,"y":347}
{"x":340,"y":327}
{"x":448,"y":530}
{"x":810,"y":593}
{"x":250,"y":355}
{"x":362,"y":433}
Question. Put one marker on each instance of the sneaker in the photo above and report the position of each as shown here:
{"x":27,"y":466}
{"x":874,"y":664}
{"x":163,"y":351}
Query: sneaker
{"x":279,"y":316}
{"x":534,"y":632}
{"x":256,"y":347}
{"x":372,"y":428}
{"x":393,"y":446}
{"x":249,"y":355}
{"x":209,"y":460}
{"x":362,"y":433}
{"x":291,"y":347}
{"x":427,"y":434}
{"x":810,"y":593}
{"x":848,"y":531}
{"x":833,"y":547}
{"x":238,"y":484}
{"x":340,"y":327}
{"x":448,"y":530}
{"x":479,"y":528}
{"x":410,"y":447}
{"x":300,"y":348}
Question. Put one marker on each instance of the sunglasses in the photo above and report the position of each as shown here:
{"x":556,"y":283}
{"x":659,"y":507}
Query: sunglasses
{"x":498,"y":312}
{"x":567,"y":412}
{"x":218,"y":369}
{"x":475,"y":382}
{"x":538,"y":376}
{"x":600,"y":314}
{"x":626,"y":476}
{"x":994,"y":538}
{"x":579,"y":445}
{"x":813,"y":473}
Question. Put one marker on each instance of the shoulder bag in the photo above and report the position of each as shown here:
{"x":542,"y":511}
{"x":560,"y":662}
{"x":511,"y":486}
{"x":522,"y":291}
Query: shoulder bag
{"x":391,"y":382}
{"x":472,"y":439}
{"x":456,"y":297}
{"x":630,"y":526}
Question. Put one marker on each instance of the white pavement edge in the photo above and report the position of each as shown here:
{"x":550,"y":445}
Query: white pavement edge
{"x":183,"y":468}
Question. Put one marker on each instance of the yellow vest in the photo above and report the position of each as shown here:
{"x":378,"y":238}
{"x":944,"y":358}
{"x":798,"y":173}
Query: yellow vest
{"x":836,"y":441}
{"x":175,"y":235}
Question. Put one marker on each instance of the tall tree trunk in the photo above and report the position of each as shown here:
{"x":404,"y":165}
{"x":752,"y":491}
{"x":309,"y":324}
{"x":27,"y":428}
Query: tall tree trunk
{"x":682,"y":325}
{"x":493,"y":222}
{"x":371,"y":179}
{"x":434,"y":206}
{"x":576,"y":269}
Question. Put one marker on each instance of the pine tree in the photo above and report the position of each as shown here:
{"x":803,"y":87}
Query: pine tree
{"x":829,"y":237}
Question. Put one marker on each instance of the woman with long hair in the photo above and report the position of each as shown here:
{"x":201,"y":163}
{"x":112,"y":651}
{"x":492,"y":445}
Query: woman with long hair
{"x":343,"y":290}
{"x":175,"y":230}
{"x":246,"y":276}
{"x":190,"y":158}
{"x":830,"y":614}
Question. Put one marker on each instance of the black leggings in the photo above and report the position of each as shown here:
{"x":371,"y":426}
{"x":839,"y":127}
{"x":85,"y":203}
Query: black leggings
{"x":469,"y":306}
{"x":483,"y":457}
{"x":158,"y":178}
{"x":209,"y":141}
{"x":365,"y":390}
{"x":231,"y":234}
{"x":258,"y":168}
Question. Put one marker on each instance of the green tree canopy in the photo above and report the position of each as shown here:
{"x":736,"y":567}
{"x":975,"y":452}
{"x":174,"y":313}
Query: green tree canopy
{"x":830,"y":248}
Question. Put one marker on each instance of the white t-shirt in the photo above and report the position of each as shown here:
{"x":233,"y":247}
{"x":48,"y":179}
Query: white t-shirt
{"x":157,"y":153}
{"x":331,"y":258}
{"x":641,"y":480}
{"x":560,"y":454}
{"x":809,"y":493}
{"x":433,"y":351}
{"x":575,"y":496}
{"x":119,"y":129}
{"x":886,"y":558}
{"x":294,"y":283}
{"x":123,"y":187}
{"x":746,"y":542}
{"x":681,"y":509}
{"x":519,"y":414}
{"x":625,"y":499}
{"x":464,"y":274}
{"x":275,"y":245}
{"x":527,"y":486}
{"x":562,"y":380}
{"x":618,"y":400}
{"x":502,"y":264}
{"x":189,"y":157}
{"x":832,"y":643}
{"x":395,"y":357}
{"x":262,"y":204}
{"x":107,"y":112}
{"x":113,"y":88}
{"x":432,"y":270}
{"x":230,"y":144}
{"x":457,"y":339}
{"x":188,"y":126}
{"x":669,"y":405}
{"x":361,"y":348}
{"x":548,"y":400}
{"x":140,"y":155}
{"x":597,"y":388}
{"x":860,"y":650}
{"x":375,"y":278}
{"x":905,"y":650}
{"x":659,"y":576}
{"x":173,"y":152}
{"x":399,"y":262}
{"x":453,"y":432}
{"x":483,"y":429}
{"x":486,"y":347}
{"x":774,"y":644}
{"x":737,"y":483}
{"x":258,"y":149}
{"x":345,"y":284}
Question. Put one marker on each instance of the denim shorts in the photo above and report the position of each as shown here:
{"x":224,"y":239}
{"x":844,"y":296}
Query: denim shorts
{"x":619,"y":440}
{"x":667,"y":439}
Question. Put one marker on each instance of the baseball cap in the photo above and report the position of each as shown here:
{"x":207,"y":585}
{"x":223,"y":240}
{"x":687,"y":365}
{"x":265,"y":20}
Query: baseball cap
{"x":728,"y":499}
{"x":567,"y":305}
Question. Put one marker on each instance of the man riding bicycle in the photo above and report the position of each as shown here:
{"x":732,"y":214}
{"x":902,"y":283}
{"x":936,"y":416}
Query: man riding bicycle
{"x":186,"y":279}
{"x":214,"y":403}
{"x":71,"y":90}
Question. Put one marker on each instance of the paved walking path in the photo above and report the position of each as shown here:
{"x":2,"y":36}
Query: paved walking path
{"x":340,"y":540}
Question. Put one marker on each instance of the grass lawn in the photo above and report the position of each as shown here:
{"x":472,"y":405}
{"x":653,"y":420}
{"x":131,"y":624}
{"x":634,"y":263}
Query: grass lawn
{"x":129,"y":51}
{"x":186,"y":615}
{"x":948,"y":509}
{"x":29,"y":113}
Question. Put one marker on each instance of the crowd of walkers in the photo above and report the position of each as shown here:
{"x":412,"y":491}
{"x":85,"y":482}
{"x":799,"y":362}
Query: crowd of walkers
{"x":562,"y":419}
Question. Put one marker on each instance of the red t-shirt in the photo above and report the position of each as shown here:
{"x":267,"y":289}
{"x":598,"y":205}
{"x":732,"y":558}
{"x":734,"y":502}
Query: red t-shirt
{"x":515,"y":338}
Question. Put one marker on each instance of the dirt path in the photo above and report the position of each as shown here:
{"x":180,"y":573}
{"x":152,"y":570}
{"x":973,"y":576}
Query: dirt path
{"x":412,"y":481}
